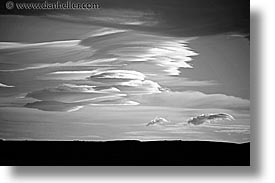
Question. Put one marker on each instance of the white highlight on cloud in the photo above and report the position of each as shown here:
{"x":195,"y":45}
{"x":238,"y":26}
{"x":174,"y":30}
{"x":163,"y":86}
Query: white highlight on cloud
{"x":131,"y":103}
{"x":103,"y":98}
{"x":120,"y":104}
{"x":75,"y":109}
{"x":67,"y":43}
{"x":71,"y":72}
{"x":73,"y":88}
{"x":143,"y":86}
{"x":105,"y":31}
{"x":109,"y":90}
{"x":119,"y":74}
{"x":172,"y":56}
{"x":133,"y":23}
{"x":5,"y":86}
{"x":68,"y":75}
{"x":128,"y":81}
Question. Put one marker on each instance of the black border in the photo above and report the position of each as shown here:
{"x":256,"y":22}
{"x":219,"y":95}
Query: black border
{"x":125,"y":153}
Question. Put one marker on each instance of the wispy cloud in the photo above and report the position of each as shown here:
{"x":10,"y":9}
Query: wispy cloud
{"x":195,"y":99}
{"x":14,"y":45}
{"x":5,"y":86}
{"x":112,"y":17}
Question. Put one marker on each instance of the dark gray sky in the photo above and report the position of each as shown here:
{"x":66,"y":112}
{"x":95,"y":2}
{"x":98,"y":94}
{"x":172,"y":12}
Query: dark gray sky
{"x":177,"y":17}
{"x":224,"y":59}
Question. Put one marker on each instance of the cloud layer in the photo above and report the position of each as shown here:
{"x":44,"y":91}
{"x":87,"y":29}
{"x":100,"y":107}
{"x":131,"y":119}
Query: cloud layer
{"x":194,"y":99}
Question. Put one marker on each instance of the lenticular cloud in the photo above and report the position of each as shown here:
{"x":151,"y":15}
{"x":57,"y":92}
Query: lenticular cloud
{"x":208,"y":118}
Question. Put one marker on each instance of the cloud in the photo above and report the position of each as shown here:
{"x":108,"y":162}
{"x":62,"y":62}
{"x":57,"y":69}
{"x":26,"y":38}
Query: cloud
{"x":208,"y":118}
{"x":52,"y":54}
{"x":104,"y":32}
{"x":128,"y":81}
{"x":73,"y":93}
{"x":180,"y":83}
{"x":112,"y":17}
{"x":241,"y":131}
{"x":72,"y":97}
{"x":118,"y":74}
{"x":167,"y":54}
{"x":138,"y":87}
{"x":194,"y":99}
{"x":158,"y":120}
{"x":102,"y":47}
{"x":5,"y":86}
{"x":53,"y":106}
{"x":14,"y":45}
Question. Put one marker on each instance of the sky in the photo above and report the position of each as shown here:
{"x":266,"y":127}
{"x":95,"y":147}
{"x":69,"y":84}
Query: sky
{"x":112,"y":70}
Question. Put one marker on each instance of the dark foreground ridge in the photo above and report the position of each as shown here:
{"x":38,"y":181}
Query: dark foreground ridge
{"x":195,"y":153}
